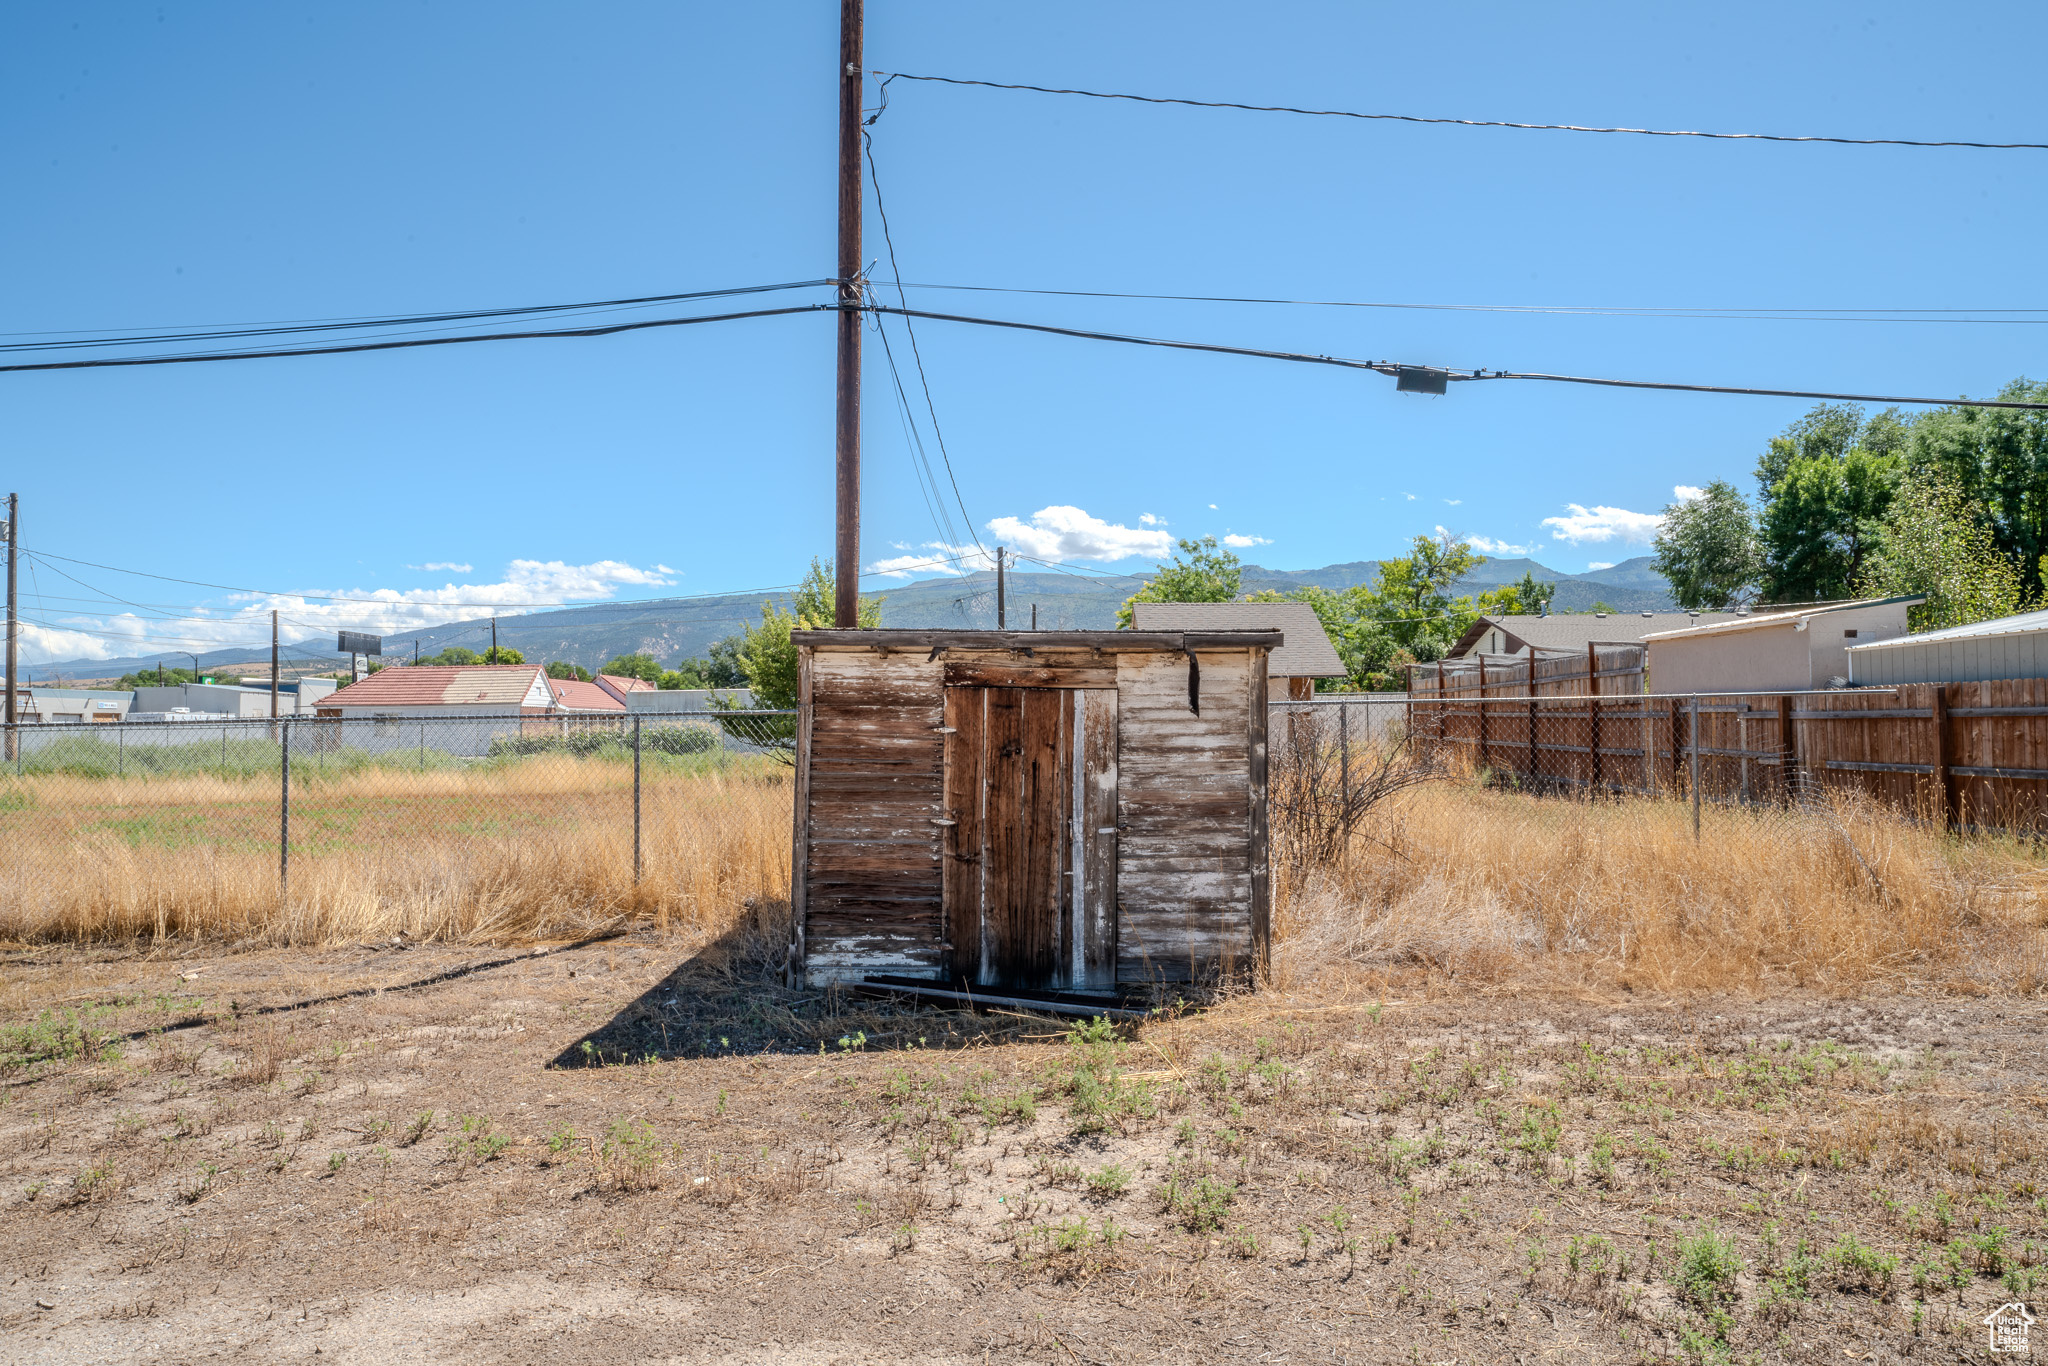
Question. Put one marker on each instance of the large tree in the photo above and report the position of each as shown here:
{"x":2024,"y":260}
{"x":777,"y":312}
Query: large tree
{"x":1996,"y":461}
{"x":1202,"y":571}
{"x":1707,"y":549}
{"x":1937,"y":543}
{"x":767,"y":654}
{"x":1824,"y":518}
{"x":1406,"y":615}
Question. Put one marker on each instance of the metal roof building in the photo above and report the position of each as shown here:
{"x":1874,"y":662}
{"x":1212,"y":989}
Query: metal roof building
{"x":2004,"y":647}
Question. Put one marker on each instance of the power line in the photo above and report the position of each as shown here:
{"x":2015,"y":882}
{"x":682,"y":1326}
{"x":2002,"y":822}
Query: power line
{"x":148,"y":336}
{"x":1392,"y":367}
{"x":1463,"y":123}
{"x":1838,"y":315}
{"x":868,"y":145}
{"x":606,"y":331}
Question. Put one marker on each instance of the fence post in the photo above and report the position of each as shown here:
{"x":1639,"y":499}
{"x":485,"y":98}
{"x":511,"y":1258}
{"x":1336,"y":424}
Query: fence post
{"x":1482,"y":711}
{"x":284,"y":814}
{"x":1694,"y":706}
{"x":1440,"y":707}
{"x":1593,"y":712}
{"x":423,"y":746}
{"x":1533,"y":770}
{"x":1942,"y":777}
{"x":1789,"y":761}
{"x":636,"y":801}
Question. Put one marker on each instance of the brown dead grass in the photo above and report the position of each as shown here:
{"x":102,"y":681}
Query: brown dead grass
{"x":1490,"y":885}
{"x":518,"y":853}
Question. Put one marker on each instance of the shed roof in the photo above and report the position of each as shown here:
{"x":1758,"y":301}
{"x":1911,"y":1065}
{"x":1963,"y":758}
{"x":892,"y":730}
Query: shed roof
{"x":580,"y":696}
{"x":1574,"y":631}
{"x":2024,"y":623}
{"x":1780,"y":616}
{"x":1306,"y":654}
{"x":444,"y":685}
{"x":622,"y":683}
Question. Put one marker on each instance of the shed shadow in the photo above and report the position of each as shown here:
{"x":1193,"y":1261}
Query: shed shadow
{"x":728,"y":1000}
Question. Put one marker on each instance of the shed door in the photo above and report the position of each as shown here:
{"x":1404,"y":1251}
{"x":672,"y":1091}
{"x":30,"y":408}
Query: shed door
{"x":1030,"y":879}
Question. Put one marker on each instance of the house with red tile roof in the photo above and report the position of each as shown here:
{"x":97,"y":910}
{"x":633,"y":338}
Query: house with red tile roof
{"x":618,"y":686}
{"x":447,"y":690}
{"x":574,"y":695}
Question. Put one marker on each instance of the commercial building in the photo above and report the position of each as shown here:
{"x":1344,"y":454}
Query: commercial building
{"x":1783,"y":650}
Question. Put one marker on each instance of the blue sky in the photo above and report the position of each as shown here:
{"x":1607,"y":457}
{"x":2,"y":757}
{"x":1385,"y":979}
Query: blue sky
{"x":243,"y":163}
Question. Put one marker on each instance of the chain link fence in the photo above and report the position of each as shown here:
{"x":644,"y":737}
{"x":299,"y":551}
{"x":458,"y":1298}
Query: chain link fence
{"x":374,"y":827}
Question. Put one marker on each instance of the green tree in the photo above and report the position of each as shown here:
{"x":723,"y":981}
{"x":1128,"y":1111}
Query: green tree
{"x":1201,"y":572}
{"x":454,"y":654}
{"x":560,"y":669}
{"x":1407,"y":615}
{"x":503,"y":654}
{"x":151,"y":678}
{"x":1525,"y":597}
{"x":1996,"y":460}
{"x":1827,"y":432}
{"x":1823,"y":521}
{"x":1937,"y":543}
{"x":642,"y":666}
{"x":1707,"y":549}
{"x":766,"y":653}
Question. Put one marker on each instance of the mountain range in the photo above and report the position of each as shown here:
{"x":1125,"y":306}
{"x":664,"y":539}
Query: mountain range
{"x":674,"y":629}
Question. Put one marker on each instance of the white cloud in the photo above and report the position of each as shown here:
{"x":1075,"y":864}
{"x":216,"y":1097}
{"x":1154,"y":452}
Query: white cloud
{"x":1237,"y":542}
{"x":1212,"y":507}
{"x":1599,"y":523}
{"x":244,"y":618}
{"x":1454,"y":501}
{"x":1486,"y":545}
{"x":933,"y":557}
{"x":444,"y":566}
{"x":1147,"y":519}
{"x":1409,"y":496}
{"x":1067,"y":533}
{"x":1686,"y":493}
{"x":1592,"y":565}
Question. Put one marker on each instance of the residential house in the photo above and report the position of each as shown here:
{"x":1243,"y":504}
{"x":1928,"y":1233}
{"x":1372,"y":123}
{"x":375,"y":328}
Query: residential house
{"x":575,"y":695}
{"x":1292,"y":668}
{"x":1782,"y":650}
{"x":618,"y":685}
{"x":2004,"y":647}
{"x":446,"y":690}
{"x":1570,"y":633}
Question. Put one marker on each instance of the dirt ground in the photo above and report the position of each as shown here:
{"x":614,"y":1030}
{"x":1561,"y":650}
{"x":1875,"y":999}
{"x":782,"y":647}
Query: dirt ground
{"x":618,"y":1152}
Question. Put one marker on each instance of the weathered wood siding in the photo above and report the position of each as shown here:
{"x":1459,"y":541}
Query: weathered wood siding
{"x":872,"y":773}
{"x":1184,"y":782}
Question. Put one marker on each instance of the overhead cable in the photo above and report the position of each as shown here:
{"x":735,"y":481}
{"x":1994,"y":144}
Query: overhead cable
{"x":140,"y":337}
{"x":610,"y":329}
{"x":1463,"y":123}
{"x":1396,"y":368}
{"x":1838,"y":315}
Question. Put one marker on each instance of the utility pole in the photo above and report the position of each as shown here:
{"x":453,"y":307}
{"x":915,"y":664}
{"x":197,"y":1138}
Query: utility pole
{"x":13,"y":621}
{"x":846,"y":580}
{"x":494,"y":640}
{"x":1002,"y":616}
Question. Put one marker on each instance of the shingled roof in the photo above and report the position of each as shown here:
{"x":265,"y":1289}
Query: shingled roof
{"x":1573,"y":631}
{"x":443,"y":685}
{"x":1307,"y":652}
{"x":577,"y":695}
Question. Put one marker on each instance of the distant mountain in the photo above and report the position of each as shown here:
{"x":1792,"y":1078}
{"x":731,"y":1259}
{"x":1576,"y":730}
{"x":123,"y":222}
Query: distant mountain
{"x":674,"y":629}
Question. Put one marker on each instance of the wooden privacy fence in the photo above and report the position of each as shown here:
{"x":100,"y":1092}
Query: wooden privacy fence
{"x":1975,"y":754}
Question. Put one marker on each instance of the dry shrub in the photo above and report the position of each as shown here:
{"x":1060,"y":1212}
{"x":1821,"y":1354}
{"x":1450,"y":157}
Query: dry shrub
{"x":1485,"y":884}
{"x":529,"y":851}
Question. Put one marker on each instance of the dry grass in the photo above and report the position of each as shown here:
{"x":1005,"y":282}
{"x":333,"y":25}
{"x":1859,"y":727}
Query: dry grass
{"x":1489,"y":885}
{"x":1479,"y":884}
{"x":527,"y":851}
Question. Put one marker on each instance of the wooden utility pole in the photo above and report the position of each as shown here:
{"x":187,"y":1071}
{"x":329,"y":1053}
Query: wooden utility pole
{"x":846,"y":580}
{"x":494,"y":640}
{"x":13,"y":621}
{"x":1002,"y":614}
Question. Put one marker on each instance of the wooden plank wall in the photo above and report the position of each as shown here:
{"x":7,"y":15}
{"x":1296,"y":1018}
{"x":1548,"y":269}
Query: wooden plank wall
{"x":1973,"y":753}
{"x":1185,"y":866}
{"x":871,"y":874}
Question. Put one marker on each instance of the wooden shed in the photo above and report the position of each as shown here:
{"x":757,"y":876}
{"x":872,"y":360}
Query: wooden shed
{"x":1054,"y":810}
